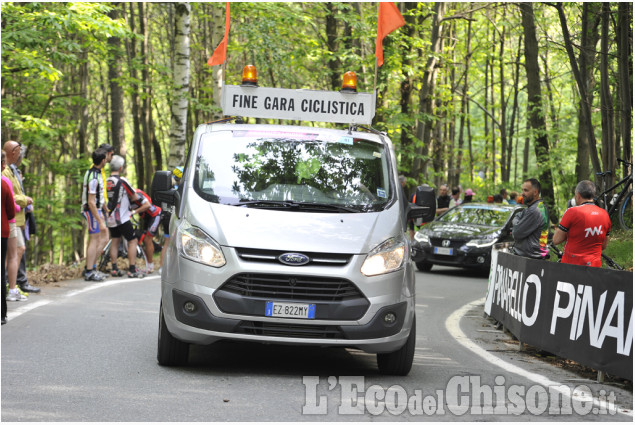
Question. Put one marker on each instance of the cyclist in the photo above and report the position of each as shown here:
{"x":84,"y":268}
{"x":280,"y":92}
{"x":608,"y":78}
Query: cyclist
{"x":177,"y":174}
{"x":151,"y":219}
{"x":585,"y":228}
{"x":121,"y":197}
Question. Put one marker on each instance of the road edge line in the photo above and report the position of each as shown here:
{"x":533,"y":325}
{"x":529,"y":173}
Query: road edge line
{"x":453,"y":327}
{"x":40,"y":303}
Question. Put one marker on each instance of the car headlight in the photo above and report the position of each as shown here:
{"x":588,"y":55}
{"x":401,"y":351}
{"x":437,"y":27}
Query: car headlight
{"x":422,"y":238}
{"x":481,"y":243}
{"x":385,"y":258}
{"x":196,"y":245}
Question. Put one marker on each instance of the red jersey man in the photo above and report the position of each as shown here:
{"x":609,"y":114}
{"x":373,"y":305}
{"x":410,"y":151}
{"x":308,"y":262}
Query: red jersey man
{"x":585,"y":228}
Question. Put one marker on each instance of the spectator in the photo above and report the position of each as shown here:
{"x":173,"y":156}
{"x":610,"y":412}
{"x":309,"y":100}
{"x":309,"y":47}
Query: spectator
{"x":13,"y":152}
{"x":531,"y":226}
{"x":512,"y":197}
{"x":122,"y":196}
{"x":504,"y":196}
{"x":456,"y":197}
{"x":151,"y":220}
{"x":9,"y":208}
{"x":93,"y":197}
{"x":443,"y":201}
{"x":585,"y":228}
{"x":497,"y":199}
{"x":8,"y":213}
{"x":469,"y":194}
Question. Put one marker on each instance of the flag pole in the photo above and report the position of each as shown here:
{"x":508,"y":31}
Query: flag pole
{"x":376,"y":63}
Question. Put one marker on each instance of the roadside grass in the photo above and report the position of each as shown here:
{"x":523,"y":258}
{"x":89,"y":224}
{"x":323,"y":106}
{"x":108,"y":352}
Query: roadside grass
{"x":620,"y":248}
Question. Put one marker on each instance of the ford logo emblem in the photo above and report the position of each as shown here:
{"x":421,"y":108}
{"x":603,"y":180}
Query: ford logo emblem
{"x":293,"y":259}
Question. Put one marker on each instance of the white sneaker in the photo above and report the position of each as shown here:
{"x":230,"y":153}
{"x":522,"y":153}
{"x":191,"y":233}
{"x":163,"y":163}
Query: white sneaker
{"x":15,"y":295}
{"x":150,"y":268}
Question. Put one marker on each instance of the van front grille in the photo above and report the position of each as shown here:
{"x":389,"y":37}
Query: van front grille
{"x":291,"y":287}
{"x":289,"y":330}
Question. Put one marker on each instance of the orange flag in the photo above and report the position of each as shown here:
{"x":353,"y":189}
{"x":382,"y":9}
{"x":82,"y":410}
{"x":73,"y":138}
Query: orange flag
{"x":220,"y":54}
{"x":389,"y":20}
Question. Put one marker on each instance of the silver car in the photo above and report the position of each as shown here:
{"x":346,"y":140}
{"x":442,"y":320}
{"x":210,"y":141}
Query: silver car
{"x":289,"y":235}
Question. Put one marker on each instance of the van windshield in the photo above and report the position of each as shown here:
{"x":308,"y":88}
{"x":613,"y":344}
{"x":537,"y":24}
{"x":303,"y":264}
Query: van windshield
{"x":277,"y":169}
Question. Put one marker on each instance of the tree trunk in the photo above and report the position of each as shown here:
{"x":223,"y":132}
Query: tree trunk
{"x":503,"y":101}
{"x":181,"y":72}
{"x":406,"y":89}
{"x":606,"y":100}
{"x":512,"y":124}
{"x":589,"y":39}
{"x":116,"y":92}
{"x":625,"y":47}
{"x":145,"y":161}
{"x":585,"y":102}
{"x":331,"y":45}
{"x":426,"y":101}
{"x":131,"y":47}
{"x":218,"y":32}
{"x":536,"y":112}
{"x":464,"y":103}
{"x":440,"y":108}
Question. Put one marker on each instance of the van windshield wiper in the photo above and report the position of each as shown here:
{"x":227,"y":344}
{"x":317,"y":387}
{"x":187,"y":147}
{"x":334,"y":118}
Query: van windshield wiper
{"x":305,"y":206}
{"x":325,"y":207}
{"x":266,"y":204}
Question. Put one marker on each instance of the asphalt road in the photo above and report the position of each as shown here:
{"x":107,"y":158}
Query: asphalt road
{"x":87,"y":352}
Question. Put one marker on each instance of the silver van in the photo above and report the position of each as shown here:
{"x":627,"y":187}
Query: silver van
{"x":289,"y":235}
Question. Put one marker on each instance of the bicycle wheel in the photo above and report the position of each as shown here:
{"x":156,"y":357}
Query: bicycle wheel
{"x":142,"y":260}
{"x":626,"y":212}
{"x":104,"y":258}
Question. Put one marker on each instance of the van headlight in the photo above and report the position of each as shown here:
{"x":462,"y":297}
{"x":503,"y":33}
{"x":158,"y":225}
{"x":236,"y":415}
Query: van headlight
{"x":385,"y":258}
{"x":196,"y":245}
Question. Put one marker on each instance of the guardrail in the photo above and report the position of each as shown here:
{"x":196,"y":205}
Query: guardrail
{"x":580,"y":313}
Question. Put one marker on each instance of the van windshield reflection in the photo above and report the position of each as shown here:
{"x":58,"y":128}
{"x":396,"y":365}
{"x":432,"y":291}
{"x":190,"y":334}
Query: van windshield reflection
{"x":297,"y":171}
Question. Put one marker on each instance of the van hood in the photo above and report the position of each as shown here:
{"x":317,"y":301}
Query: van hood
{"x":240,"y":227}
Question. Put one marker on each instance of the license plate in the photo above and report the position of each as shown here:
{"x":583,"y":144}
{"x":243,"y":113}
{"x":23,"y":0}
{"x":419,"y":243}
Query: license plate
{"x":443,"y":251}
{"x":294,"y":310}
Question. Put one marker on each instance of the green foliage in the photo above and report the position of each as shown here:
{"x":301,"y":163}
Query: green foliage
{"x":620,"y":248}
{"x":47,"y":46}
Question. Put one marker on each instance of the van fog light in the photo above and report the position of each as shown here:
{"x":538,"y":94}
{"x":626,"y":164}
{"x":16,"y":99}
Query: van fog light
{"x":390,"y":318}
{"x":480,"y":260}
{"x":189,"y":307}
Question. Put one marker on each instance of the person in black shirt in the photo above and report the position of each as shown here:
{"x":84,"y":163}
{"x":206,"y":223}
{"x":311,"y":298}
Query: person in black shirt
{"x":443,"y":201}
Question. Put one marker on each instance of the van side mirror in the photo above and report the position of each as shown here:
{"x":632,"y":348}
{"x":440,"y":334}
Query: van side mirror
{"x":425,"y":204}
{"x":162,"y":190}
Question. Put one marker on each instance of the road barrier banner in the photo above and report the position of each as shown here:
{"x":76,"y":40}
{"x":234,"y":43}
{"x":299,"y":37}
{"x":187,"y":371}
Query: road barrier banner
{"x":580,"y":313}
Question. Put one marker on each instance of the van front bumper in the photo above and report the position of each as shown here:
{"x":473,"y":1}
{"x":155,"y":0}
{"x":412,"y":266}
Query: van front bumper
{"x":215,"y":314}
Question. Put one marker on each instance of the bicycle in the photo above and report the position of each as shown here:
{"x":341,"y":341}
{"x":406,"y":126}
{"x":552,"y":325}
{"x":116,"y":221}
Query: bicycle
{"x":621,"y":203}
{"x":608,"y":260}
{"x":141,"y":259}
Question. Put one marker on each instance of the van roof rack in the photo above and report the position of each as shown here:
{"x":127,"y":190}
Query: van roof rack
{"x":238,"y":120}
{"x":357,"y":127}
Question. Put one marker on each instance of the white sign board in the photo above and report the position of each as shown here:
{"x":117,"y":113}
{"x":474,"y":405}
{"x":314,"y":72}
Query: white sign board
{"x":301,"y":105}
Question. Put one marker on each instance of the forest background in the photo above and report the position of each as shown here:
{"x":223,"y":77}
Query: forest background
{"x":478,"y":94}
